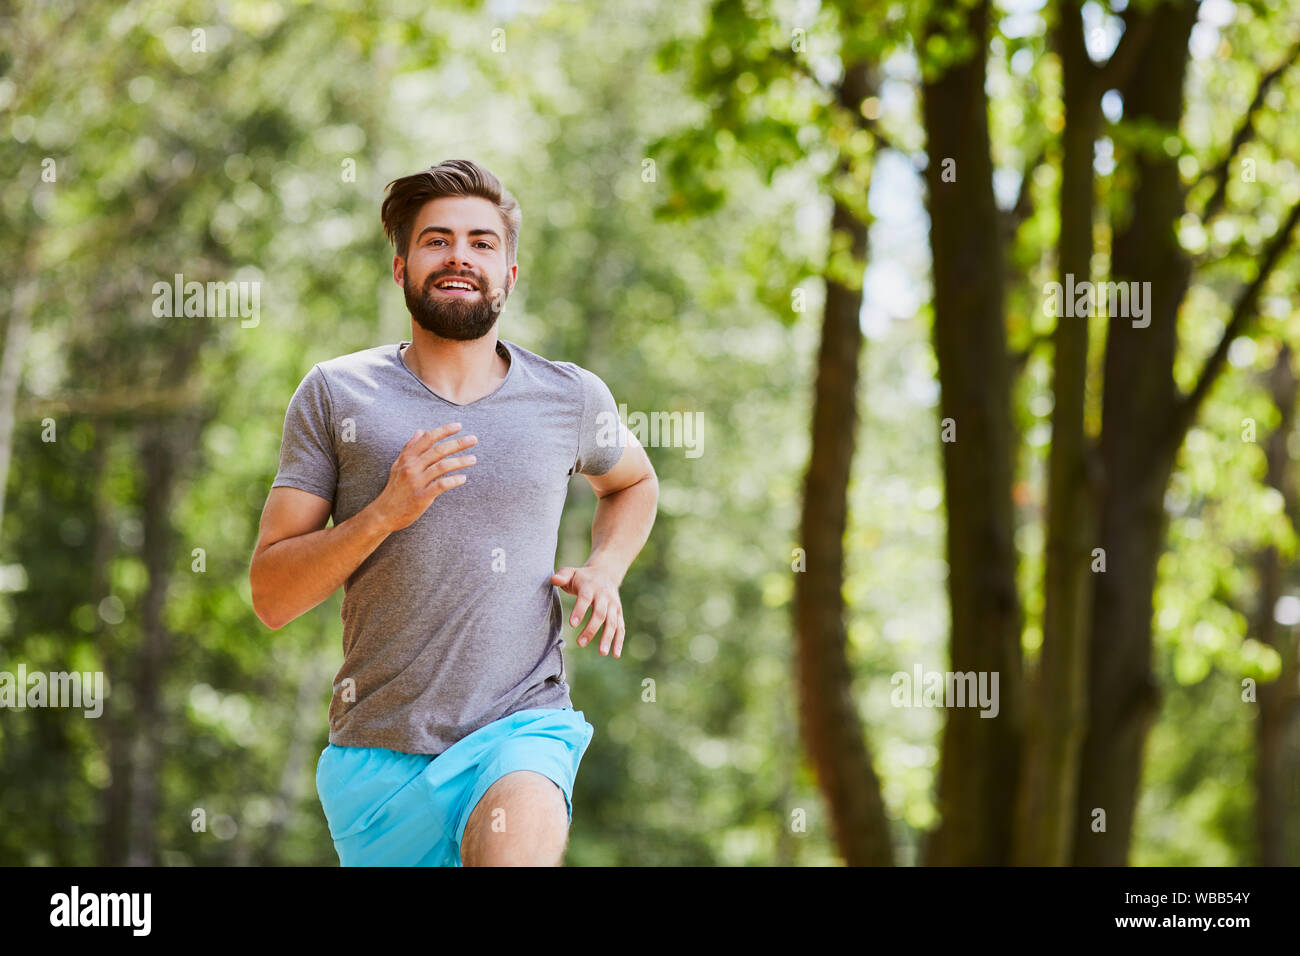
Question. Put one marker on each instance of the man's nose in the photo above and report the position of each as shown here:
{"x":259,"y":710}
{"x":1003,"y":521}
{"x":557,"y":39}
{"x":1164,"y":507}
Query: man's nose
{"x":457,"y":257}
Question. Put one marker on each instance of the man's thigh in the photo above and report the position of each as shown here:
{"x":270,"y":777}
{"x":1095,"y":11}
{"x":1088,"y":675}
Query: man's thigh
{"x":521,"y":820}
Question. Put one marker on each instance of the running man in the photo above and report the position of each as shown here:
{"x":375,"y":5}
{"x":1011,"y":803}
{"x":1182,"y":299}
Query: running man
{"x":444,"y":463}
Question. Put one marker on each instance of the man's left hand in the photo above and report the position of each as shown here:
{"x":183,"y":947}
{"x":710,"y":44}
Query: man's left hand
{"x":598,"y":590}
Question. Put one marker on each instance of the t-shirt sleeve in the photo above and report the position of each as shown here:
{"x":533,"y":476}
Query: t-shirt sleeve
{"x":307,"y":457}
{"x":601,"y":436}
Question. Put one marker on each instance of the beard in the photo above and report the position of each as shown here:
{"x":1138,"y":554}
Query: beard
{"x":450,"y":316}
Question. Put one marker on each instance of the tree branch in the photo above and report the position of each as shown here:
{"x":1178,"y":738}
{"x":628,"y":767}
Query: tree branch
{"x":182,"y":400}
{"x":1242,"y":312}
{"x":1023,"y":207}
{"x":1221,"y":172}
{"x":799,"y":66}
{"x":848,"y":94}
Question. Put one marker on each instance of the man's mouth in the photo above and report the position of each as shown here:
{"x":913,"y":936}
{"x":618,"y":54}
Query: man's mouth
{"x":453,"y":286}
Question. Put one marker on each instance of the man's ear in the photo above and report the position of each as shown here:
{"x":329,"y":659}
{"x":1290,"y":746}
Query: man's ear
{"x":399,"y":270}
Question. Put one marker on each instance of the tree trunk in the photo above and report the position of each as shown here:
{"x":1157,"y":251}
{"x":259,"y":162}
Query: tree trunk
{"x":981,"y":756}
{"x":11,"y":372}
{"x":1139,"y":441}
{"x":829,"y":718}
{"x":1058,"y":703}
{"x":158,"y":456}
{"x":1278,"y":699}
{"x":314,"y":673}
{"x":114,"y":724}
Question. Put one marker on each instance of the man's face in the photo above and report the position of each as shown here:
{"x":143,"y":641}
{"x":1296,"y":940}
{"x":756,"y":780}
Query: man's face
{"x":457,"y":239}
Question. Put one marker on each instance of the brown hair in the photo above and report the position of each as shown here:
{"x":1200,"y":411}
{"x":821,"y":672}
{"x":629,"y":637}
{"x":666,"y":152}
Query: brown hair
{"x":455,"y":177}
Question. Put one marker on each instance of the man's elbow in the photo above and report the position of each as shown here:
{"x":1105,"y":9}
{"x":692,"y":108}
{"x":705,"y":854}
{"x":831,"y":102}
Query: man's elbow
{"x":266,"y":615}
{"x":274,"y":623}
{"x":261,"y":607}
{"x":648,"y":481}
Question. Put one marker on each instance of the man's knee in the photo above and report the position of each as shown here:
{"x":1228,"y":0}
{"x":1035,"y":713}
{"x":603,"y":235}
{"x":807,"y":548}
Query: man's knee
{"x":521,"y":820}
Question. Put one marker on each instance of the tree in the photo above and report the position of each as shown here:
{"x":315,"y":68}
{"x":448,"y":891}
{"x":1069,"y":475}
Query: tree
{"x":1120,"y":476}
{"x":767,"y":62}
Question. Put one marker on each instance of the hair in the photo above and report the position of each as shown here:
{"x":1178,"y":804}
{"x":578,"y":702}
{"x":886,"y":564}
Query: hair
{"x":455,"y":177}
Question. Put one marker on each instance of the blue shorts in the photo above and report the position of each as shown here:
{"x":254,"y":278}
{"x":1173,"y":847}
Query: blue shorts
{"x":387,"y":808}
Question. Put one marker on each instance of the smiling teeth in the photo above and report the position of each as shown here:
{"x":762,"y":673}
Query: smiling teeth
{"x":456,"y":284}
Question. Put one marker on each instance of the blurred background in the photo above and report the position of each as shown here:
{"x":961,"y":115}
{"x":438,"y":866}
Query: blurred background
{"x":829,"y":228}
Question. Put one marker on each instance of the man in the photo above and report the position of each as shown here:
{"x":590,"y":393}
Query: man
{"x":444,"y":463}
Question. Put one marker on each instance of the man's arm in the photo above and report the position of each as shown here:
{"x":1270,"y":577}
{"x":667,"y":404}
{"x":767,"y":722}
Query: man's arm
{"x":628,"y":498}
{"x":299,"y":562}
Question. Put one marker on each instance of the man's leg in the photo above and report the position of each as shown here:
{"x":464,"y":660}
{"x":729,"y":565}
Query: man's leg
{"x":522,"y":820}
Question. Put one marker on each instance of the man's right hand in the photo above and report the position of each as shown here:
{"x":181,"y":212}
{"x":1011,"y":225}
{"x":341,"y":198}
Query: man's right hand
{"x":420,"y":474}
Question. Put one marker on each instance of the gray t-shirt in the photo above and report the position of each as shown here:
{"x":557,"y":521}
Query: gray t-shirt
{"x":452,"y":622}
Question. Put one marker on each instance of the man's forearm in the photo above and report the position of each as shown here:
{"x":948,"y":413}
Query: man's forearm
{"x":622,"y":526}
{"x":292,"y":576}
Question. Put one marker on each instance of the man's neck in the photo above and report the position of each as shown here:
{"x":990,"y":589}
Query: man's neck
{"x":460,"y":371}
